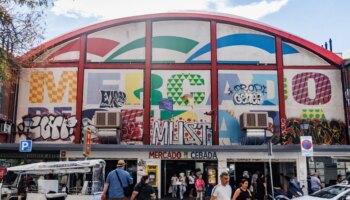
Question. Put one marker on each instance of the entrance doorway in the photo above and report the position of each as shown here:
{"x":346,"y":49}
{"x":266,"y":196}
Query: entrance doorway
{"x":208,"y":169}
{"x":280,"y":172}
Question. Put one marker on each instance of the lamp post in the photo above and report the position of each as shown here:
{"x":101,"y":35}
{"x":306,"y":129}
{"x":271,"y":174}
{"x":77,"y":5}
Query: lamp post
{"x":269,"y":154}
{"x":304,"y":125}
{"x":28,"y":122}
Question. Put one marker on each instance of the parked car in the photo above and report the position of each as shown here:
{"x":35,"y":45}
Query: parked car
{"x":335,"y":192}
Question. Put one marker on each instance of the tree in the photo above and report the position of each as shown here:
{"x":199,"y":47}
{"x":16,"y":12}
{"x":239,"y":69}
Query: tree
{"x":21,"y":28}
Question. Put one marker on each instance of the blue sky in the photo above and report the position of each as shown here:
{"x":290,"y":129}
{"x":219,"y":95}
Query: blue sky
{"x":314,"y":20}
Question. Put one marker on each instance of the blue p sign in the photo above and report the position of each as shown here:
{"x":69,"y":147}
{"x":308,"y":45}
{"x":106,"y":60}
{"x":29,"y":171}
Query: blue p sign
{"x":25,"y":146}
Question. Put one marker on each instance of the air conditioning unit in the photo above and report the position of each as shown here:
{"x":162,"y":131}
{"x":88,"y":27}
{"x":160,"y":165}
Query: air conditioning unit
{"x":254,"y":120}
{"x":105,"y":119}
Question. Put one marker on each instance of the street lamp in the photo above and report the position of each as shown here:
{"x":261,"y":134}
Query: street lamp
{"x":304,"y":125}
{"x":269,"y":153}
{"x":28,"y":122}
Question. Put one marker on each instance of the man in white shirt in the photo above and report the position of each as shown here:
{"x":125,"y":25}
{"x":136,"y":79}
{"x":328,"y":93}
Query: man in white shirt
{"x":223,"y":190}
{"x":315,"y":182}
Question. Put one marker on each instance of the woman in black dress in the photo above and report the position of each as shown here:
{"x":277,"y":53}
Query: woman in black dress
{"x":242,"y":193}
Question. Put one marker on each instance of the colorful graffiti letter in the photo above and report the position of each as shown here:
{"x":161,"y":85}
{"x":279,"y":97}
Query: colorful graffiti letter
{"x":301,"y":90}
{"x":55,"y":93}
{"x":175,"y":88}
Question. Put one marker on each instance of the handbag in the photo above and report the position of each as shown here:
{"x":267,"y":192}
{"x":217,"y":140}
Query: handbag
{"x":128,"y":189}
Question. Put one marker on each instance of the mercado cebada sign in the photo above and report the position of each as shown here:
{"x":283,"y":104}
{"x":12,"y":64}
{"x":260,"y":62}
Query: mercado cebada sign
{"x":176,"y":155}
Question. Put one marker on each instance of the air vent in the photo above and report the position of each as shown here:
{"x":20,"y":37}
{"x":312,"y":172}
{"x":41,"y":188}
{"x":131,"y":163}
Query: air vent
{"x":107,"y":119}
{"x":254,"y":120}
{"x":112,"y":119}
{"x":251,"y":121}
{"x":262,"y":120}
{"x":100,"y":119}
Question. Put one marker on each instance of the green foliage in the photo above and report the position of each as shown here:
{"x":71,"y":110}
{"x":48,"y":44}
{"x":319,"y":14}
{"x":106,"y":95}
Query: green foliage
{"x":21,"y":28}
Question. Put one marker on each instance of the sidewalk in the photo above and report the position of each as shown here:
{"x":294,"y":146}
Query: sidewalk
{"x":185,"y":198}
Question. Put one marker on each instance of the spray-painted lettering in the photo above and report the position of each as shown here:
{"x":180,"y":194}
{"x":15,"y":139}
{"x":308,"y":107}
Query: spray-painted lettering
{"x":51,"y":127}
{"x":112,"y":99}
{"x":252,"y":94}
{"x":189,"y":133}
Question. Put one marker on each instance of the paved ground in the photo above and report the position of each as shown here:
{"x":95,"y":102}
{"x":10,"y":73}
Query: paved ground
{"x":185,"y":198}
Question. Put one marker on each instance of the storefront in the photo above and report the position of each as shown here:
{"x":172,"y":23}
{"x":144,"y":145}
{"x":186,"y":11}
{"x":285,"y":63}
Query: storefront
{"x":162,"y":162}
{"x":329,"y":166}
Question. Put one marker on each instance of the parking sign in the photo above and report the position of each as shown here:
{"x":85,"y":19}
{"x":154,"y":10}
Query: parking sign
{"x":306,"y":146}
{"x":25,"y":146}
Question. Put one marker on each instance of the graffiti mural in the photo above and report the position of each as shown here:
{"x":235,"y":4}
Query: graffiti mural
{"x":49,"y":127}
{"x":123,"y":43}
{"x":67,"y":51}
{"x":130,"y":132}
{"x":186,"y":123}
{"x":246,"y":91}
{"x":110,"y":99}
{"x":239,"y":45}
{"x":132,"y":126}
{"x":331,"y":132}
{"x":112,"y":88}
{"x":55,"y":92}
{"x":171,"y":44}
{"x":50,"y":99}
{"x":183,"y":128}
{"x":114,"y":91}
{"x":295,"y":55}
{"x":315,"y":98}
{"x":183,"y":132}
{"x":301,"y":90}
{"x":248,"y":94}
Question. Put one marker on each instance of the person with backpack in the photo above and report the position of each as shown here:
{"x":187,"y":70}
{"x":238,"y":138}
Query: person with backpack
{"x":143,"y":191}
{"x":116,"y":183}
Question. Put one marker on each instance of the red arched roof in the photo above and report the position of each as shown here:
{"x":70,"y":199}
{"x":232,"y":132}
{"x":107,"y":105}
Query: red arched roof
{"x":327,"y":55}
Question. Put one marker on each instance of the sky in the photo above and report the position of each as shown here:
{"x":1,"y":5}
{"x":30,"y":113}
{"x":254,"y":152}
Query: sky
{"x":313,"y":20}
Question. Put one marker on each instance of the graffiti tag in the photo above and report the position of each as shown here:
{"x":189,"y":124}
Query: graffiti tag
{"x":252,"y":94}
{"x":51,"y":127}
{"x":187,"y":133}
{"x":331,"y":132}
{"x":112,"y":99}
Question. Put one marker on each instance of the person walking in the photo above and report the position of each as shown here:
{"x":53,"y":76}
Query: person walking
{"x":315,"y":182}
{"x":191,"y":181}
{"x":182,"y":186}
{"x":242,"y":193}
{"x":115,"y":183}
{"x":174,"y":181}
{"x":223,"y":190}
{"x":254,"y":182}
{"x":261,"y":190}
{"x":143,"y":191}
{"x":199,"y":184}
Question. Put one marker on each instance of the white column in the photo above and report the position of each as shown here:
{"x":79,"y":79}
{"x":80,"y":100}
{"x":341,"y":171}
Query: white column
{"x":222,"y":167}
{"x":302,"y":172}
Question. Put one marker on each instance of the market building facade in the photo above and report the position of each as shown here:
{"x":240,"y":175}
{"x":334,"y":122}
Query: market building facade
{"x":176,"y":89}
